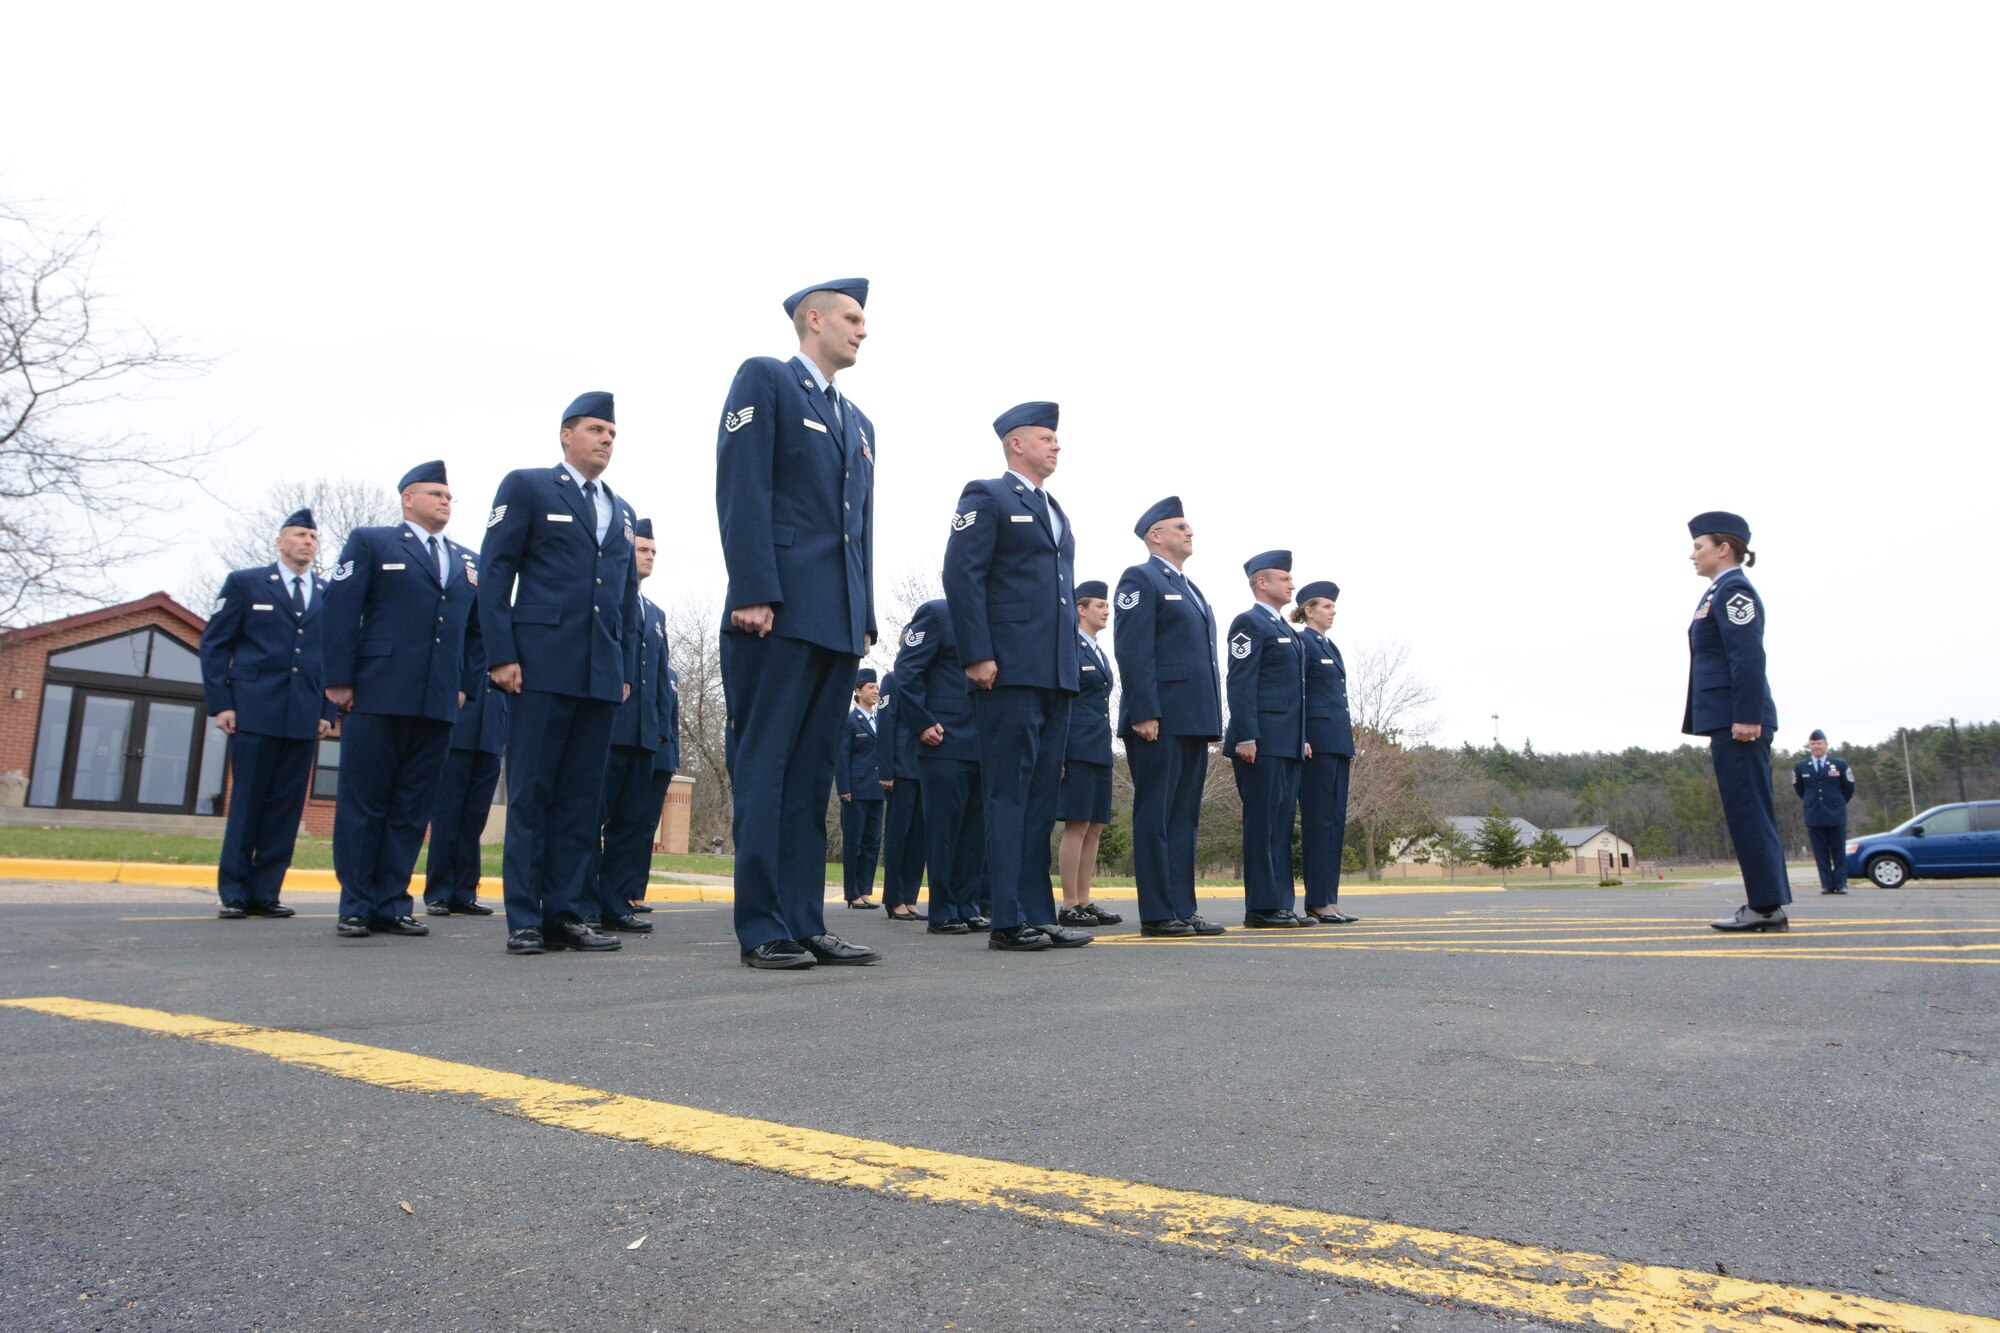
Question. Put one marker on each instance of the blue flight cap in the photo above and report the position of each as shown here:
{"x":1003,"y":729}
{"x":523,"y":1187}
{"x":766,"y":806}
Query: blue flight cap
{"x":1093,"y":588}
{"x":854,"y":287}
{"x":643,"y":527}
{"x":1817,"y":735}
{"x":1326,"y":588}
{"x":1026,"y":414}
{"x":1717,"y":520}
{"x":1167,"y":508}
{"x":300,"y":518}
{"x":1268,"y":560}
{"x":596,"y":403}
{"x":865,"y":676}
{"x":431,"y":471}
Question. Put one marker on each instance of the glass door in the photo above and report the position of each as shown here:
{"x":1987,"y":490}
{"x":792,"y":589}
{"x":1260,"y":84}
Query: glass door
{"x":131,"y":752}
{"x":100,"y":743}
{"x":166,"y":761}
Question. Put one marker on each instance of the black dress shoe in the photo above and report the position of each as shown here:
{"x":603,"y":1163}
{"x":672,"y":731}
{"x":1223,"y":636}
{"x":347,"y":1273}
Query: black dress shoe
{"x":525,"y":941}
{"x":979,"y":922}
{"x":1077,"y":916}
{"x":232,"y":912}
{"x":631,"y":925}
{"x":473,"y":908}
{"x":835,"y":951}
{"x":1018,"y":939}
{"x":577,"y":936}
{"x":640,"y":909}
{"x":860,"y":906}
{"x":1840,"y":890}
{"x":398,"y":925}
{"x":948,"y":928}
{"x":437,"y":909}
{"x":353,"y":927}
{"x":1330,"y":915}
{"x":779,"y":955}
{"x":1281,"y":919}
{"x":1166,"y":929}
{"x":906,"y":915}
{"x":1104,"y":918}
{"x":1203,"y":926}
{"x":1062,"y":937}
{"x":277,"y":910}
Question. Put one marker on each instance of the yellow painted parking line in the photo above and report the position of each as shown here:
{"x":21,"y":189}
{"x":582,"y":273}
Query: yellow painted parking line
{"x":1661,"y":937}
{"x":1568,"y":1286}
{"x":495,"y":919}
{"x":1722,"y":948}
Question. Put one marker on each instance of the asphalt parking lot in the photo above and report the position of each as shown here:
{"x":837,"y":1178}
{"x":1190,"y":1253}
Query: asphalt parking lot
{"x":1541,"y":1108}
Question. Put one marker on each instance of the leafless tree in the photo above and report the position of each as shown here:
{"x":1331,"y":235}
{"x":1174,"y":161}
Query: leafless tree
{"x":1394,"y":783}
{"x":1387,"y":696}
{"x":339,"y":505}
{"x":911,"y":590}
{"x":70,"y":498}
{"x":694,"y":646}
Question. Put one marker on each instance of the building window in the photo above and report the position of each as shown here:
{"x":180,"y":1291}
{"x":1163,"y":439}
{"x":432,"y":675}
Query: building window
{"x":51,"y":735}
{"x":144,"y":653}
{"x":326,"y":770}
{"x":214,"y":754}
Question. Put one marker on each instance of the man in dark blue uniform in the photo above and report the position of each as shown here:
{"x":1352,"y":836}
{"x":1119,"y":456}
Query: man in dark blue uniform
{"x":858,"y":778}
{"x":1330,"y":732}
{"x":1825,"y":785}
{"x":559,"y":608}
{"x":1266,"y":739}
{"x":260,"y":671}
{"x":464,"y":799}
{"x":396,"y":616}
{"x":1729,"y":701}
{"x":1008,"y":580}
{"x":1171,"y":709}
{"x":629,"y":809}
{"x":934,"y":702}
{"x":795,"y":499}
{"x":903,"y":826}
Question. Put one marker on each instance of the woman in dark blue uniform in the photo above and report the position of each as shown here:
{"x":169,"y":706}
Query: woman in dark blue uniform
{"x":1330,"y":732}
{"x":1083,"y":803}
{"x":1729,"y":701}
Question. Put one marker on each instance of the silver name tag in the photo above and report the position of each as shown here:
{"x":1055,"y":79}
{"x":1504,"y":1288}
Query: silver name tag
{"x":1170,"y":597}
{"x":810,"y":424}
{"x":394,"y":566}
{"x":1088,"y":667}
{"x":260,"y":606}
{"x":1284,"y":641}
{"x":1022,"y":518}
{"x":1326,"y":661}
{"x":562,"y":518}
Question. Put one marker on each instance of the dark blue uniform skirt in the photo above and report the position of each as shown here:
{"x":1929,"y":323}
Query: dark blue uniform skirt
{"x":1085,"y":793}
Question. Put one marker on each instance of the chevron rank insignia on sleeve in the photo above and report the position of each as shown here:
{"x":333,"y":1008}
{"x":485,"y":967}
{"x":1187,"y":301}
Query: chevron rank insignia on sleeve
{"x":499,"y":512}
{"x":1742,"y":609}
{"x":1239,"y":646}
{"x":343,"y":570}
{"x":911,"y":638}
{"x":1128,"y":600}
{"x":960,"y":522}
{"x":735,"y":421}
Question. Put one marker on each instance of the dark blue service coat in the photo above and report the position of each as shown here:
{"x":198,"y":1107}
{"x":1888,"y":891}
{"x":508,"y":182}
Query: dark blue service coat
{"x":1824,"y":787}
{"x":1008,"y":584}
{"x":932,"y":688}
{"x":667,"y":759}
{"x":263,"y":661}
{"x":1329,"y":727}
{"x":859,"y":772}
{"x":1726,"y":681}
{"x":1267,"y":686}
{"x":640,"y":722}
{"x":395,"y":632}
{"x":1164,"y":636}
{"x":1090,"y":713}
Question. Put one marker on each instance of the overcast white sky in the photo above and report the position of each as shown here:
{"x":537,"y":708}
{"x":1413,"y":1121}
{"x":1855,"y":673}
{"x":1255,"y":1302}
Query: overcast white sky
{"x":1471,"y":305}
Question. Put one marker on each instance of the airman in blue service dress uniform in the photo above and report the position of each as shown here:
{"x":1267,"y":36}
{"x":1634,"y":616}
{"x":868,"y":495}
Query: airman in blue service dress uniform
{"x":934,"y":701}
{"x":795,"y":499}
{"x":1266,"y":739}
{"x":629,"y":809}
{"x":1330,"y":733}
{"x":559,"y":608}
{"x":260,"y":671}
{"x":1008,"y":580}
{"x":464,"y":799}
{"x":903,"y":830}
{"x":1083,"y":803}
{"x":858,"y":778}
{"x":1825,"y":785}
{"x":1729,"y":701}
{"x":1164,"y":637}
{"x":396,"y":616}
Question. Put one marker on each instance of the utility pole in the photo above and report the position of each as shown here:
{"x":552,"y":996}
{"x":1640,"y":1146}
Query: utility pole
{"x":1496,"y":731}
{"x":1908,"y":776}
{"x":1957,"y":762}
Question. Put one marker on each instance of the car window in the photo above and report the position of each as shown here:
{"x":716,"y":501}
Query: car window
{"x":1987,"y":816}
{"x":1951,"y":819}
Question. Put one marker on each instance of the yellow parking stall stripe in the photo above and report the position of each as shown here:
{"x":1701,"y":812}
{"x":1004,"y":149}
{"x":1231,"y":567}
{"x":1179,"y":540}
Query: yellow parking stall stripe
{"x":1567,"y":1286}
{"x":1659,"y":937}
{"x":1720,"y":948}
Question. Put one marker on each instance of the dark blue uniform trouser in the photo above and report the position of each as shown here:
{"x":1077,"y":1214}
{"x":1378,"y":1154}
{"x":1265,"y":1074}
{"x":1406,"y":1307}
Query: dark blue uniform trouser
{"x":1270,"y":792}
{"x":903,"y":844}
{"x":1023,"y":735}
{"x":389,"y":770}
{"x":1168,"y":776}
{"x":628,"y":816}
{"x":1743,"y":774}
{"x":788,"y":702}
{"x":1323,"y":825}
{"x":557,"y":745}
{"x":955,"y":839}
{"x":458,"y":816}
{"x":860,"y":845}
{"x":267,"y":795}
{"x":1829,"y":848}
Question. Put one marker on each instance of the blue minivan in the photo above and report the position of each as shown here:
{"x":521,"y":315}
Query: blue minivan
{"x":1948,"y":842}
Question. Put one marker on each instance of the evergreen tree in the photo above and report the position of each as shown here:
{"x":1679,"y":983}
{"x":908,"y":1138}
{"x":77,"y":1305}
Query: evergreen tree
{"x":1499,"y":842}
{"x":1547,"y":849}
